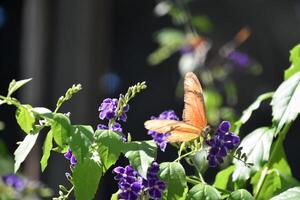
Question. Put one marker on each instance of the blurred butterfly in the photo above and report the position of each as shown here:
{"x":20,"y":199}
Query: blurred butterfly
{"x":194,"y":118}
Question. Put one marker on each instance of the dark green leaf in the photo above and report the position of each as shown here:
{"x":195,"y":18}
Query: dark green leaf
{"x":203,"y":192}
{"x":248,"y":112}
{"x":25,"y":118}
{"x":223,"y":178}
{"x":173,"y":174}
{"x":110,"y":146}
{"x":80,"y":140}
{"x":86,"y":177}
{"x":140,"y":155}
{"x":256,"y":146}
{"x":15,"y":85}
{"x":285,"y":103}
{"x":240,"y":195}
{"x":46,"y":150}
{"x":290,"y":194}
{"x":23,"y":149}
{"x":61,"y":128}
{"x":295,"y":60}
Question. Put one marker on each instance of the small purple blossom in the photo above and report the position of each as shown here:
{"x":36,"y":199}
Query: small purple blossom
{"x":116,"y":127}
{"x":239,"y":58}
{"x":108,"y":110}
{"x":132,"y":185}
{"x":14,"y":181}
{"x":221,"y":144}
{"x":68,"y":155}
{"x":186,"y":49}
{"x":160,"y":138}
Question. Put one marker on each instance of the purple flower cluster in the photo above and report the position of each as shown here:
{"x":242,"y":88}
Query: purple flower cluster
{"x":68,"y":155}
{"x":108,"y":110}
{"x":132,"y":185}
{"x":159,"y":138}
{"x":221,"y":144}
{"x":240,"y":59}
{"x":14,"y":181}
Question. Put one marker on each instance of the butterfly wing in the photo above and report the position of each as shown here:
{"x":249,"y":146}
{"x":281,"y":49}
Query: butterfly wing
{"x":180,"y":131}
{"x":194,"y":108}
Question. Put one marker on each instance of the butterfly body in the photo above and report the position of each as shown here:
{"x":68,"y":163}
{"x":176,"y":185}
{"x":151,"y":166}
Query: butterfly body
{"x":194,"y":121}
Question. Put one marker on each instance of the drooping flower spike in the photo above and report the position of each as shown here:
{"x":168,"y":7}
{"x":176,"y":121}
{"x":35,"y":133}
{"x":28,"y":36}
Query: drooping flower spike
{"x":222,"y":142}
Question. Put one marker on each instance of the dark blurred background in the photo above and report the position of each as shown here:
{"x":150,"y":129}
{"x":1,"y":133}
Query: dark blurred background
{"x":104,"y":46}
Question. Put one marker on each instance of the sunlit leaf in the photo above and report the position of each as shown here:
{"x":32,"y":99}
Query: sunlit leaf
{"x":109,"y":145}
{"x":25,"y":118}
{"x":80,"y":140}
{"x":285,"y":103}
{"x":203,"y":192}
{"x":290,"y":194}
{"x":15,"y":85}
{"x":23,"y":149}
{"x":256,"y":146}
{"x":173,"y":174}
{"x":141,"y":155}
{"x":46,"y":150}
{"x":86,"y":177}
{"x":223,"y":177}
{"x":61,"y":128}
{"x":241,"y":194}
{"x":295,"y":60}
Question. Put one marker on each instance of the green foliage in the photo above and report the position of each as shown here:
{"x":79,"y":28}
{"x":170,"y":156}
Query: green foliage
{"x":203,"y":192}
{"x":23,"y":149}
{"x":25,"y":118}
{"x":15,"y":85}
{"x":110,"y":146}
{"x":61,"y":128}
{"x":295,"y":60}
{"x":285,"y":102}
{"x":256,"y":146}
{"x":86,"y":177}
{"x":81,"y":140}
{"x":173,"y":174}
{"x":47,"y":150}
{"x":290,"y":194}
{"x":140,"y":155}
{"x":240,"y":195}
{"x":223,"y":178}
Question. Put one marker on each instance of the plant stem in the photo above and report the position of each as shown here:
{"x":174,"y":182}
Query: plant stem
{"x":261,"y":180}
{"x":184,"y":155}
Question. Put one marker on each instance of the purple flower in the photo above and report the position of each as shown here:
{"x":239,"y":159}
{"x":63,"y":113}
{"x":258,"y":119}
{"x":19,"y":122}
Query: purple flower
{"x":108,"y":110}
{"x":221,"y":144}
{"x":186,"y":49}
{"x":130,"y":191}
{"x":68,"y":155}
{"x":238,"y":58}
{"x":155,"y":186}
{"x":116,"y":127}
{"x":127,"y":174}
{"x":14,"y":181}
{"x":160,"y":138}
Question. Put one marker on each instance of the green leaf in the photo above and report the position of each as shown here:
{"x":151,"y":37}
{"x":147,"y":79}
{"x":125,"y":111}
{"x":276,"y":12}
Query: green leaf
{"x":273,"y":184}
{"x":248,"y":112}
{"x":109,"y":145}
{"x":256,"y":146}
{"x":114,"y":196}
{"x":61,"y":128}
{"x":173,"y":174}
{"x":25,"y":118}
{"x":279,"y":160}
{"x":295,"y":60}
{"x":241,"y":194}
{"x":290,"y":194}
{"x":140,"y":155}
{"x":285,"y":103}
{"x":86,"y":177}
{"x":23,"y":149}
{"x":203,"y":192}
{"x":15,"y":85}
{"x":223,"y":177}
{"x":80,"y":141}
{"x":46,"y":150}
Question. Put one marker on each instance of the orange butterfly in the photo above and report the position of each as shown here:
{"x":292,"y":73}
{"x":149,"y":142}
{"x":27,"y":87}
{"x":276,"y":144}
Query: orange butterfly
{"x":194,"y":116}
